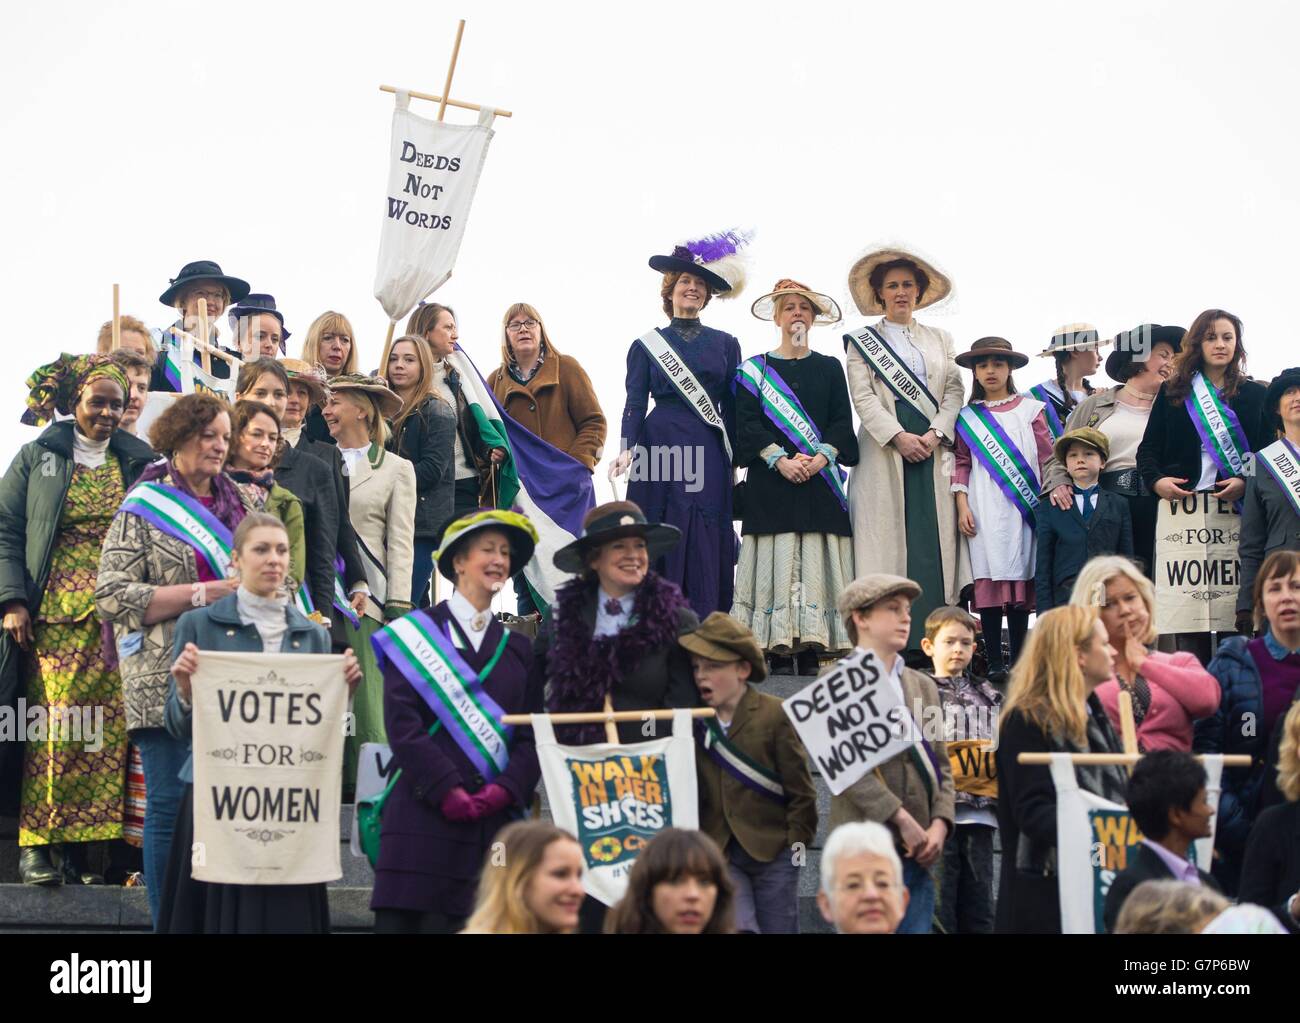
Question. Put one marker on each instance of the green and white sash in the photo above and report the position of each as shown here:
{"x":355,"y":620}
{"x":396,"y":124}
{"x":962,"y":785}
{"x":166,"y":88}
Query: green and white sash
{"x":896,"y":374}
{"x":726,"y":755}
{"x":182,"y":517}
{"x":683,"y":380}
{"x":428,"y":659}
{"x":1218,"y":426}
{"x":1282,"y":462}
{"x":997,"y":452}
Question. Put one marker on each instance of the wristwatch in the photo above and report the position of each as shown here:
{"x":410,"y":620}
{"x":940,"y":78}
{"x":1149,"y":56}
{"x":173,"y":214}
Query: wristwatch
{"x":943,"y":437}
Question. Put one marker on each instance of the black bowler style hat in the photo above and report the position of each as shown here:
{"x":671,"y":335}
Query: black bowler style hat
{"x":253,"y":304}
{"x":613,"y":521}
{"x":204,"y":270}
{"x":1129,"y":344}
{"x":1282,"y":383}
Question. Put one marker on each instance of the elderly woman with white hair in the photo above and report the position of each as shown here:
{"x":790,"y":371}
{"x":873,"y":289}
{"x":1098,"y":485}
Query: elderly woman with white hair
{"x":862,"y":890}
{"x":1169,"y":691}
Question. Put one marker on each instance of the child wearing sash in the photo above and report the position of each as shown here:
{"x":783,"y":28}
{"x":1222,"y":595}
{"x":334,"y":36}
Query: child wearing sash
{"x":1003,"y":444}
{"x":1205,"y":422}
{"x":1098,"y":522}
{"x":1270,"y":518}
{"x":970,"y":712}
{"x":1075,"y":351}
{"x":911,"y":792}
{"x":756,"y":793}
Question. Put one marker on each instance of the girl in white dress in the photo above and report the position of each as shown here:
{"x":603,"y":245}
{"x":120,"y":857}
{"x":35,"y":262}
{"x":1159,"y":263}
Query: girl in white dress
{"x":1003,"y":445}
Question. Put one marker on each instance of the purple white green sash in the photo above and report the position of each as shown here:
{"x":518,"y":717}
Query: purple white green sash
{"x":341,"y":594}
{"x":727,"y":756}
{"x":997,"y":452}
{"x":1283,"y":463}
{"x":683,"y":380}
{"x":896,"y":374}
{"x":183,"y":518}
{"x":419,"y":648}
{"x":1219,"y":428}
{"x":783,"y":407}
{"x":1054,"y":425}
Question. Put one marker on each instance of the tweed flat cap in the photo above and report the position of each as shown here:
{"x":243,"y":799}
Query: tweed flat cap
{"x":868,"y":589}
{"x":721,"y":638}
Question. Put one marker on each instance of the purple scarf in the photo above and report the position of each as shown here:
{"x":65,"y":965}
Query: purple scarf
{"x":582,"y":670}
{"x":226,"y":504}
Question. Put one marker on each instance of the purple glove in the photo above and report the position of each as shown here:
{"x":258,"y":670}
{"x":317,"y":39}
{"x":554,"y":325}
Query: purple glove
{"x":458,"y":806}
{"x":490,"y":799}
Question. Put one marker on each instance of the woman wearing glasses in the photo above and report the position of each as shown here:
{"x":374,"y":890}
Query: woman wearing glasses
{"x":548,"y":393}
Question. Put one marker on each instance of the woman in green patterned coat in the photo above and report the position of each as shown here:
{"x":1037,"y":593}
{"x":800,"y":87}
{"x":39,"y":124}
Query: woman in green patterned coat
{"x":56,"y":502}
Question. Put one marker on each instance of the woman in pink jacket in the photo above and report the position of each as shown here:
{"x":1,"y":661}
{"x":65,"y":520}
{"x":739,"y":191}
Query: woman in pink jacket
{"x":1169,"y":691}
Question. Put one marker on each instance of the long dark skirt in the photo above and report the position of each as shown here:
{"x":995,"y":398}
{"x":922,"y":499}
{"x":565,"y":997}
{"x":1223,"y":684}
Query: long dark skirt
{"x":924,"y":554}
{"x":196,"y":907}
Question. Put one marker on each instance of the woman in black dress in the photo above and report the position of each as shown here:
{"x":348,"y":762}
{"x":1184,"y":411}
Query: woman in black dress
{"x":794,"y":429}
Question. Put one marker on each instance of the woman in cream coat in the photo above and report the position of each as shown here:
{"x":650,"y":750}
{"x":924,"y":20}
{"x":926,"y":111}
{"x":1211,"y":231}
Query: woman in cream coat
{"x":381,"y":508}
{"x":901,"y":454}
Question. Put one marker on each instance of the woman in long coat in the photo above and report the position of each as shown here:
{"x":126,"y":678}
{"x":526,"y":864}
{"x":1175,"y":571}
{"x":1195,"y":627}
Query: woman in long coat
{"x":794,"y":429}
{"x":904,"y":517}
{"x":56,"y":502}
{"x":680,"y":454}
{"x":452,"y":797}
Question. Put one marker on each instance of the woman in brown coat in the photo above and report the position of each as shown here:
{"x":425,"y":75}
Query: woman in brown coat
{"x":547,"y":393}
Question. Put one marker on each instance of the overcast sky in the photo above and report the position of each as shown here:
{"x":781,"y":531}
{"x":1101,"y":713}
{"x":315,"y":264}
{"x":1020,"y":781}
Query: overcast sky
{"x":1110,"y":162}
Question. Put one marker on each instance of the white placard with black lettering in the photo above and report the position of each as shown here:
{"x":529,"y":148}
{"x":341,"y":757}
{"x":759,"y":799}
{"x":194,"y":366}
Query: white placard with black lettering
{"x":268,"y":767}
{"x":850,"y":720}
{"x":433,"y":172}
{"x":1198,"y":568}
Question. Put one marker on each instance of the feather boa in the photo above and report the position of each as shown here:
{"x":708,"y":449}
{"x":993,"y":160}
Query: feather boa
{"x":583,"y":670}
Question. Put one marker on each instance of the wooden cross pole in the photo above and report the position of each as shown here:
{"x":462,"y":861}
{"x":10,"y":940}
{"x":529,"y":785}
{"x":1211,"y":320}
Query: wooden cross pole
{"x":388,"y":350}
{"x":117,"y":319}
{"x":451,"y":70}
{"x":205,"y":357}
{"x":609,"y":716}
{"x":1120,"y":759}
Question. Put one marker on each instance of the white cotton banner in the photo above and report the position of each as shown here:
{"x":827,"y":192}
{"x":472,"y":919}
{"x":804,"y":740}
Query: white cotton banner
{"x":268,"y":763}
{"x":615,"y":799}
{"x":433,"y":171}
{"x":1204,"y":847}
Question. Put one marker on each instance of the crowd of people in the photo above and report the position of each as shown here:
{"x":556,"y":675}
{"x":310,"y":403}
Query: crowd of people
{"x":298,"y":503}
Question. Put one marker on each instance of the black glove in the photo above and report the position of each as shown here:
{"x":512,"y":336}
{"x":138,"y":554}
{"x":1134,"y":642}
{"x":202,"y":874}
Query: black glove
{"x":1246,"y":623}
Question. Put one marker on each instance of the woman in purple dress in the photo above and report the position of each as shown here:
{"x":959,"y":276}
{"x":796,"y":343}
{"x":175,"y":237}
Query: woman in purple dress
{"x":679,"y":456}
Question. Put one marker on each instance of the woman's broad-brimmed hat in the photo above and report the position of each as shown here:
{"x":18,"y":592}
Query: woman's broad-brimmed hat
{"x":1137,"y":344}
{"x":311,"y":377}
{"x":828,"y":311}
{"x":939,"y":288}
{"x":1073,"y":337}
{"x":521,"y":533}
{"x":375,"y":386}
{"x":1095,"y":439}
{"x":721,"y":638}
{"x":204,"y":270}
{"x":716,"y":258}
{"x":611,"y":521}
{"x":986,"y":346}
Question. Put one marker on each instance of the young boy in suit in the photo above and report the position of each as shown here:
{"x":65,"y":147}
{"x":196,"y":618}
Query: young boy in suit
{"x":1097,"y":523}
{"x":756,"y":792}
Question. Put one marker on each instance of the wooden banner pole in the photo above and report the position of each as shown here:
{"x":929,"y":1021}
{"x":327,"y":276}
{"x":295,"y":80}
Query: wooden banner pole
{"x":460,"y":104}
{"x":117,"y":318}
{"x":388,"y":349}
{"x":610,"y":716}
{"x":1127,"y":727}
{"x":451,"y":70}
{"x":205,"y":357}
{"x":1118,"y":759}
{"x":611,"y":729}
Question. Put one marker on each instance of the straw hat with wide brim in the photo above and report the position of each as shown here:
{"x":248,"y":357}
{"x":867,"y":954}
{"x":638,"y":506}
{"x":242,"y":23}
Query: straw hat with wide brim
{"x":828,"y":311}
{"x":1074,"y":337}
{"x":613,"y":521}
{"x":864,"y":298}
{"x":987,"y":346}
{"x":309,"y":376}
{"x":377,"y":387}
{"x":521,"y":533}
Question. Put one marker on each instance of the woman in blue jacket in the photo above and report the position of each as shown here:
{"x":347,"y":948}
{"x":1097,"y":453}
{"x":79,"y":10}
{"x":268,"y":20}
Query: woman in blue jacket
{"x":256,"y":618}
{"x":1259,"y":679}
